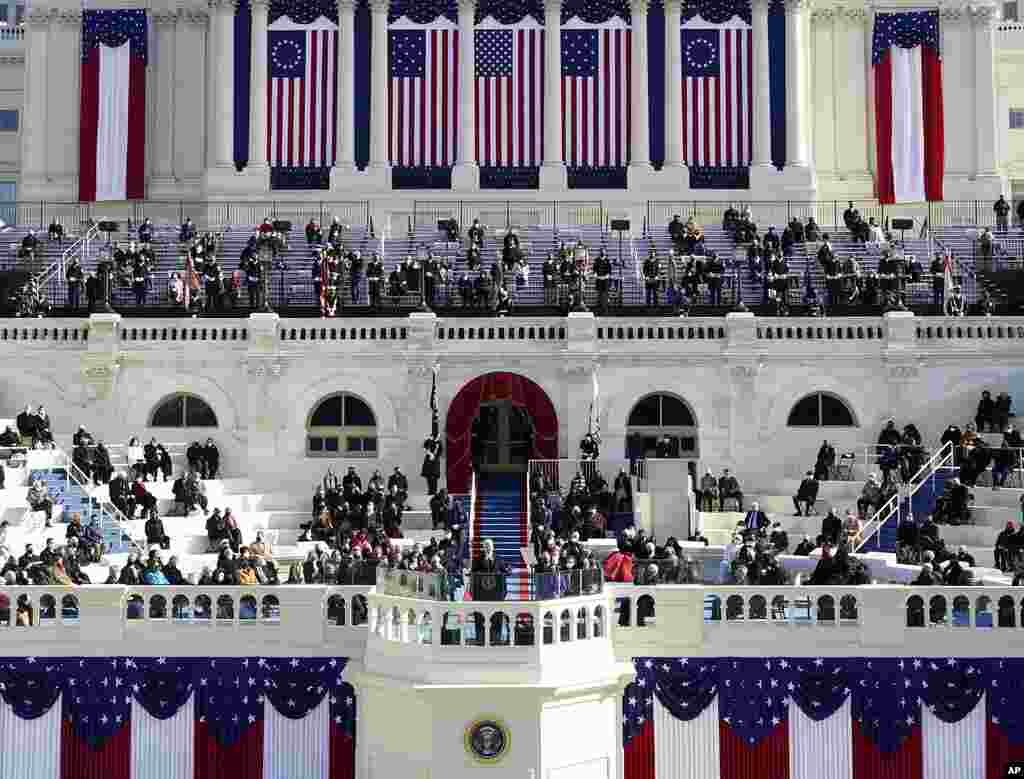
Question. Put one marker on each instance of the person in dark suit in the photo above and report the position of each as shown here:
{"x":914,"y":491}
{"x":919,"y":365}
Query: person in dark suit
{"x":489,"y":575}
{"x":431,"y":470}
{"x":27,"y":423}
{"x":121,"y":495}
{"x":806,"y":495}
{"x":756,"y":519}
{"x":831,"y":527}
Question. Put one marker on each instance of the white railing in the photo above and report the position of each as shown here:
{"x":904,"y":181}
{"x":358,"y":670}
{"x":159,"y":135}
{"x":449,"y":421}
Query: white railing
{"x":941,"y":459}
{"x":79,"y":248}
{"x":883,"y":514}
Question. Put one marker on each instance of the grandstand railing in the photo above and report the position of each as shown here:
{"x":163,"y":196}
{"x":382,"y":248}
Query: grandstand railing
{"x":889,"y":510}
{"x":943,"y":458}
{"x":505,"y":214}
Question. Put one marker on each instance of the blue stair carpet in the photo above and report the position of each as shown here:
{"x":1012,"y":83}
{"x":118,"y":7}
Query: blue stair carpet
{"x":72,"y":498}
{"x":501,"y":519}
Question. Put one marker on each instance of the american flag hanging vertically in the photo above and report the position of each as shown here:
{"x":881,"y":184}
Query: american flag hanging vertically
{"x":595,"y":96}
{"x":301,"y":129}
{"x":717,"y":96}
{"x":423,"y":105}
{"x":509,"y":96}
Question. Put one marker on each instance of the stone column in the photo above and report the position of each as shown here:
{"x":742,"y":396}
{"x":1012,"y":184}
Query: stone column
{"x":345,"y":161}
{"x":673,"y":90}
{"x":985,"y":163}
{"x":796,"y":84}
{"x":553,"y":175}
{"x":466,"y":173}
{"x":33,"y":122}
{"x":190,"y":87}
{"x":640,"y":139}
{"x":380,"y":167}
{"x":63,"y":106}
{"x":220,"y":152}
{"x":257,"y":167}
{"x":762,"y":128}
{"x":852,"y":29}
{"x":162,"y":182}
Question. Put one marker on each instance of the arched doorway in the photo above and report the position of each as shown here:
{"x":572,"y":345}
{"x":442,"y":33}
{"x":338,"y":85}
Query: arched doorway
{"x":505,"y":403}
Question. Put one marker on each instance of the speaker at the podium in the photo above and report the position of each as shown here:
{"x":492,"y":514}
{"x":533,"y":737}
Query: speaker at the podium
{"x":620,"y":225}
{"x":282,"y":226}
{"x":901,"y":224}
{"x":109,"y":227}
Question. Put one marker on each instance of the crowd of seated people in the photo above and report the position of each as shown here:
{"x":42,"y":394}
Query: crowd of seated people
{"x":54,"y":564}
{"x":584,"y":508}
{"x":342,"y":505}
{"x":899,"y":453}
{"x":34,"y":428}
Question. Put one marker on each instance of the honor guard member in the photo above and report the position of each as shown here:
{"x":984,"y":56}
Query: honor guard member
{"x":431,"y":470}
{"x":375,"y":279}
{"x":476,"y":233}
{"x":549,"y":274}
{"x":713,"y":275}
{"x":652,"y":278}
{"x":938,"y":271}
{"x":602,"y":276}
{"x":355,"y":271}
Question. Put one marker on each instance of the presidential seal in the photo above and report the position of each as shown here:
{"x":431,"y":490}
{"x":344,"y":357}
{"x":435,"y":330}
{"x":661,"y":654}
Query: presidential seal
{"x":487,"y":740}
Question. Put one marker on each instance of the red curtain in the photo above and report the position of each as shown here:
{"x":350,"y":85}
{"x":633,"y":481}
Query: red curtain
{"x":767,"y":759}
{"x":343,"y":753}
{"x":112,"y":760}
{"x":869,"y":762}
{"x":135,"y":180}
{"x":999,"y":750}
{"x":491,"y":387}
{"x":88,"y":125}
{"x":934,"y":128}
{"x":638,"y":754}
{"x":883,"y":129}
{"x":240,"y":760}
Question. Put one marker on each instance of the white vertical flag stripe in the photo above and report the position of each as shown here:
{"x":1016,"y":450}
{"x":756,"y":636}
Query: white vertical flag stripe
{"x":907,"y":124}
{"x":820,"y":748}
{"x":687,"y":750}
{"x":112,"y":124}
{"x":30,"y":748}
{"x":163,"y":748}
{"x":953,"y":751}
{"x":296,"y":748}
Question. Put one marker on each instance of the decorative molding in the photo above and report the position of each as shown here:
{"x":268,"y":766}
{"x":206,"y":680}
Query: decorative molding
{"x":983,"y":16}
{"x":223,"y":5}
{"x":745,"y":372}
{"x":69,"y":17}
{"x":346,"y":7}
{"x":12,"y":59}
{"x":195,"y":15}
{"x":265,"y":4}
{"x":420,"y":371}
{"x":952,"y":13}
{"x":903,"y":372}
{"x":380,"y":6}
{"x":262,"y":368}
{"x":578,"y":370}
{"x":797,"y":6}
{"x":825,"y":14}
{"x":39,"y":18}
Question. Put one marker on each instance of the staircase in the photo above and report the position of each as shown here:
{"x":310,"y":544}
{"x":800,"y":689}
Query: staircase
{"x":500,"y":515}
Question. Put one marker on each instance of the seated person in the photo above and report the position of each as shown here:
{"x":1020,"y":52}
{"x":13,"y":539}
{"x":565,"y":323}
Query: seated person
{"x":729,"y":489}
{"x":187,"y":232}
{"x":144,"y":499}
{"x":155,"y":533}
{"x":870,"y":496}
{"x":146,"y":231}
{"x":806,"y":495}
{"x":55,"y":232}
{"x":39,"y":499}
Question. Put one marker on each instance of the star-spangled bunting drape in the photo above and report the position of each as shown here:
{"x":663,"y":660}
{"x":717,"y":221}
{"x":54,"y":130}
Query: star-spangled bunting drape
{"x":112,"y":120}
{"x":909,"y":126}
{"x":792,"y":718}
{"x":121,"y":717}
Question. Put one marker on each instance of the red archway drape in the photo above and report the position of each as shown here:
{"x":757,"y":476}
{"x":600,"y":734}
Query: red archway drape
{"x":466,"y":405}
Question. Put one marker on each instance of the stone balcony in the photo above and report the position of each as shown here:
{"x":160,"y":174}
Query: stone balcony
{"x":520,"y":641}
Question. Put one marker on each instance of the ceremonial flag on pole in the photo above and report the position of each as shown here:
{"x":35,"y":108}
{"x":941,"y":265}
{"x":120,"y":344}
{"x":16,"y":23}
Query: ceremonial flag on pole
{"x":509,"y":95}
{"x":908,"y":106}
{"x":717,"y":94}
{"x":594,"y":422}
{"x":112,"y":128}
{"x":595,"y":95}
{"x":435,"y":423}
{"x":301,"y":128}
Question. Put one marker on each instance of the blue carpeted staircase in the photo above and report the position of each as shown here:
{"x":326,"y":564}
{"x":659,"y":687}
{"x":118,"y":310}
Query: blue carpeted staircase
{"x":68,"y":498}
{"x":919,"y":506}
{"x":500,"y":506}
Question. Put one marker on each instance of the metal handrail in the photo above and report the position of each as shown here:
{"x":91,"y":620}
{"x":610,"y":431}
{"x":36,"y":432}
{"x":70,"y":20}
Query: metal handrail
{"x":881,"y":516}
{"x":57,"y":266}
{"x":936,"y":461}
{"x":75,"y":473}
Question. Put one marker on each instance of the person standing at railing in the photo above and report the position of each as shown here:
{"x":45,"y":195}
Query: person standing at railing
{"x":1002,"y":211}
{"x":81,"y":458}
{"x":75,"y":278}
{"x":101,"y":466}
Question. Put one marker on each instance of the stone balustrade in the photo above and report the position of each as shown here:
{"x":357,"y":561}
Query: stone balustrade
{"x":521,"y":638}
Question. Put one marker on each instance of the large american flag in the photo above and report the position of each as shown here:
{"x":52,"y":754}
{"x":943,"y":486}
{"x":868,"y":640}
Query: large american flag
{"x":595,"y":97}
{"x":300,"y":101}
{"x":717,"y":96}
{"x":423,"y":106}
{"x":509,"y":96}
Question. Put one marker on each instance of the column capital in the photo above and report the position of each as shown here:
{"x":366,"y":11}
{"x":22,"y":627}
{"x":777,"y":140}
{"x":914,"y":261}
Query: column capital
{"x":983,"y":16}
{"x":552,"y":6}
{"x":194,"y":15}
{"x":69,"y":17}
{"x":167,"y":17}
{"x":853,"y":14}
{"x":38,"y":18}
{"x":380,"y":6}
{"x":223,"y":5}
{"x":639,"y":7}
{"x":466,"y":7}
{"x":347,"y":7}
{"x":261,"y":4}
{"x":760,"y":6}
{"x":797,"y":6}
{"x":953,"y":12}
{"x":673,"y":7}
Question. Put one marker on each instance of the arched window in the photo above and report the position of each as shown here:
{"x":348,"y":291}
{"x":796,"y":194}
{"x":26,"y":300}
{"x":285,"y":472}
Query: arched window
{"x":820,"y":409}
{"x":183,"y":410}
{"x":656,"y":416}
{"x":342,"y":425}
